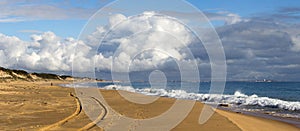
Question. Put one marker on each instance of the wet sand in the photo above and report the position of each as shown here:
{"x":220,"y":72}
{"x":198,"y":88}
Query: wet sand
{"x":40,"y":106}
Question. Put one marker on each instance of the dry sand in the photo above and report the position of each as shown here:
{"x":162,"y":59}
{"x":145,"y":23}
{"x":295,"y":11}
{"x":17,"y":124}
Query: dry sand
{"x":35,"y":106}
{"x":251,"y":123}
{"x":40,"y":106}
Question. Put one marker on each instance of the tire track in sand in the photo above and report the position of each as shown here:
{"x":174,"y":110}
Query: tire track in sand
{"x":61,"y":122}
{"x":98,"y":119}
{"x":77,"y":112}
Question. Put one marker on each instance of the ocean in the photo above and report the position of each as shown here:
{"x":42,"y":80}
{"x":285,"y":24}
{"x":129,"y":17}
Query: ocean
{"x":278,"y":99}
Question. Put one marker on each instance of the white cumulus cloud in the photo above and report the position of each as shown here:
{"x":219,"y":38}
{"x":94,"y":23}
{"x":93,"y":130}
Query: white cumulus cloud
{"x":142,"y":42}
{"x":145,"y":41}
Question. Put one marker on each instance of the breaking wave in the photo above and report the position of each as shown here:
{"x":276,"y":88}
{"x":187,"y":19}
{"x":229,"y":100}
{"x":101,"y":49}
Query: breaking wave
{"x":237,"y":98}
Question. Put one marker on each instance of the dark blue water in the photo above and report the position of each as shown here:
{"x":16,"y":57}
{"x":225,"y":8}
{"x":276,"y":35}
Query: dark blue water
{"x":289,"y":91}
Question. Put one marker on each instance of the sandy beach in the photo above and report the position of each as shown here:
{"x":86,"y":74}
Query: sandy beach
{"x":40,"y":106}
{"x":149,"y":65}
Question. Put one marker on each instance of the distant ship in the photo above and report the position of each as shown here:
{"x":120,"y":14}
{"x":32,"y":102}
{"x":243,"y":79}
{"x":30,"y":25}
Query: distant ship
{"x":264,"y":80}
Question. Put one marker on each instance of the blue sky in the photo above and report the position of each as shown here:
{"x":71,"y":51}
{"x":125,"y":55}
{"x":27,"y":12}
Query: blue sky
{"x":244,"y":8}
{"x":261,"y":39}
{"x":70,"y":27}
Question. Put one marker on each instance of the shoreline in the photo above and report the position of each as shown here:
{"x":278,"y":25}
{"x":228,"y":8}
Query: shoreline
{"x":37,"y":105}
{"x":291,"y":122}
{"x":288,"y":120}
{"x":250,"y":122}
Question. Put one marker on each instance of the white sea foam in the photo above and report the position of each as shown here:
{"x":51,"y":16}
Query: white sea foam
{"x":237,"y":99}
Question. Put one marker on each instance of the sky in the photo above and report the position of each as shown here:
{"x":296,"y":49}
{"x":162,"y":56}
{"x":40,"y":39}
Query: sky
{"x":261,"y":39}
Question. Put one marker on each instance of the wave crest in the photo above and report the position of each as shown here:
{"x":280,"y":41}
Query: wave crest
{"x":237,"y":98}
